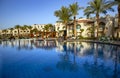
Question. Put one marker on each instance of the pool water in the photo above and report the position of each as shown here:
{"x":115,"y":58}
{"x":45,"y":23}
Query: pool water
{"x":27,"y":58}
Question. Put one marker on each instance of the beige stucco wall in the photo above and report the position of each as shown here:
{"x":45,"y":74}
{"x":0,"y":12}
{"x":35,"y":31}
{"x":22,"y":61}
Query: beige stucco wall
{"x":0,"y":32}
{"x":85,"y":27}
{"x":70,"y":30}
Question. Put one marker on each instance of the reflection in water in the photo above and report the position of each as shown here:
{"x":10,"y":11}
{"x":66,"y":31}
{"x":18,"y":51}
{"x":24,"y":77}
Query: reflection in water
{"x":105,"y":58}
{"x":29,"y":44}
{"x":92,"y":59}
{"x":65,"y":64}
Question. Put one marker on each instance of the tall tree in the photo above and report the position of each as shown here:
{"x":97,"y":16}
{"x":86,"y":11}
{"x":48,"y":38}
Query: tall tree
{"x":46,"y":28}
{"x":24,"y":28}
{"x":74,"y":8}
{"x":91,"y":30}
{"x":18,"y":28}
{"x":30,"y":28}
{"x":64,"y":16}
{"x":11,"y":31}
{"x":35,"y":31}
{"x":50,"y":27}
{"x":96,"y":7}
{"x":5,"y":32}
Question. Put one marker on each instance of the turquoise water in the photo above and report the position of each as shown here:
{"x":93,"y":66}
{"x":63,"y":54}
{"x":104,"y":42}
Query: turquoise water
{"x":53,"y":59}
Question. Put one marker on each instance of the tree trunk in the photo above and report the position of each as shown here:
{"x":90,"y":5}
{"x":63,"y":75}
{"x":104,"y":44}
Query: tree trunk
{"x":66,"y":31}
{"x":75,"y":26}
{"x":113,"y":29}
{"x":97,"y":18}
{"x":93,"y":34}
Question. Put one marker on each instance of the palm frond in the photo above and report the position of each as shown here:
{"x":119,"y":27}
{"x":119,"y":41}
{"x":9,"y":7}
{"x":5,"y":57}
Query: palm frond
{"x":63,"y":14}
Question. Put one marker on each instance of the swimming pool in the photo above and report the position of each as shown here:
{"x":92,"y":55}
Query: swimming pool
{"x":27,"y":58}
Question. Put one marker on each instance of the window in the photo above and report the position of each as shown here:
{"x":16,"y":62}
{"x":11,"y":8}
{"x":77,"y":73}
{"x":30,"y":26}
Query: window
{"x":78,"y":26}
{"x":101,"y":25}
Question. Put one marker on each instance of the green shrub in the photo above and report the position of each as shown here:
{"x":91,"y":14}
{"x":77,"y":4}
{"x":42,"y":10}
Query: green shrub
{"x":104,"y":38}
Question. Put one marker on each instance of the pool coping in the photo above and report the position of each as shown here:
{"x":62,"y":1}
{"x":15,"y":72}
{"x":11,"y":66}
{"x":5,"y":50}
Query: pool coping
{"x":117,"y":43}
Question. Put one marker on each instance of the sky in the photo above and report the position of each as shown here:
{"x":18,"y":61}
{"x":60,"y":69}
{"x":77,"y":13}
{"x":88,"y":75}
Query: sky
{"x":29,"y":12}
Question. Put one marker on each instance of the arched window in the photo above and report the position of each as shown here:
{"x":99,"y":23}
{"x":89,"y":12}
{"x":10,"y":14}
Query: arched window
{"x":102,"y":25}
{"x":78,"y":26}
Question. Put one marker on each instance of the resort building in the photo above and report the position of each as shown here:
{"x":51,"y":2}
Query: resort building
{"x":0,"y":32}
{"x":6,"y":32}
{"x":21,"y":32}
{"x":37,"y":30}
{"x":81,"y":28}
{"x":108,"y":26}
{"x":59,"y":28}
{"x":84,"y":27}
{"x":15,"y":32}
{"x":39,"y":27}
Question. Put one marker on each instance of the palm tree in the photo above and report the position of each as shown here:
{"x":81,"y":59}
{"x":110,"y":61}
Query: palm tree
{"x":91,"y":31}
{"x":74,"y":8}
{"x":64,"y":16}
{"x":35,"y":31}
{"x":97,"y":7}
{"x":25,"y":28}
{"x":50,"y":27}
{"x":46,"y":28}
{"x":4,"y":31}
{"x":18,"y":28}
{"x":11,"y":29}
{"x":30,"y":28}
